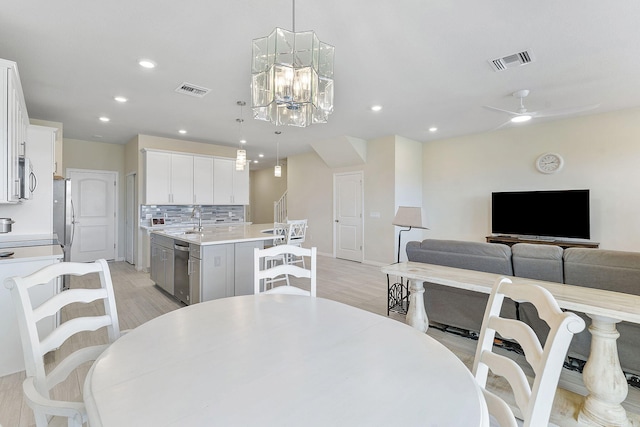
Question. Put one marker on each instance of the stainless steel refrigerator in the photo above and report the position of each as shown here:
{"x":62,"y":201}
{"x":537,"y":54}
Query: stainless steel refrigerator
{"x":63,"y":219}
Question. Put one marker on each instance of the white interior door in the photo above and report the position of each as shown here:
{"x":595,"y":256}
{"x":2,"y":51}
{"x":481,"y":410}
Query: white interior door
{"x":130,"y":218}
{"x":348,"y":215}
{"x":94,"y":198}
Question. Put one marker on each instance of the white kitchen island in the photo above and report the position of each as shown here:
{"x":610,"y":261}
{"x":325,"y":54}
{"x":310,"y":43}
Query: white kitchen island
{"x":202,"y":266}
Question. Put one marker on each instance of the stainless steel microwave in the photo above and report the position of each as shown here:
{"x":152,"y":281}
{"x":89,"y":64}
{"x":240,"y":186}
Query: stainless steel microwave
{"x":28,"y":180}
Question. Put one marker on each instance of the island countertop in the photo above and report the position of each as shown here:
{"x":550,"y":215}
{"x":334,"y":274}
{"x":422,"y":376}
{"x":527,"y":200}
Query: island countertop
{"x":217,"y":235}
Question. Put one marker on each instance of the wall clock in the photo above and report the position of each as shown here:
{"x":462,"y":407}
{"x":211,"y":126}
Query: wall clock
{"x":549,"y":163}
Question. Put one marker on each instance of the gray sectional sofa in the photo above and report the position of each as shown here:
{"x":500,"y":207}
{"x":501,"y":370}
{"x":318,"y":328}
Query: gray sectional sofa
{"x":596,"y":268}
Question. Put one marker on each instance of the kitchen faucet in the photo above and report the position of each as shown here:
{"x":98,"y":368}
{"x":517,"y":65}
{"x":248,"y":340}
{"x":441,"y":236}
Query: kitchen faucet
{"x":197,"y":213}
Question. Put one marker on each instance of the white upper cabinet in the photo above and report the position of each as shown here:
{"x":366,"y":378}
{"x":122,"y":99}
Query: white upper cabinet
{"x":203,"y":180}
{"x":13,"y":130}
{"x":157,"y":178}
{"x":169,"y":178}
{"x":181,"y":179}
{"x":230,"y":187}
{"x":185,"y":179}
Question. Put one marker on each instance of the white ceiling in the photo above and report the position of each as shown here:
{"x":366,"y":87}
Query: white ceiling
{"x":424,"y":61}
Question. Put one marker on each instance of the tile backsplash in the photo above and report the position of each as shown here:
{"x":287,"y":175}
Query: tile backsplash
{"x":182,"y":214}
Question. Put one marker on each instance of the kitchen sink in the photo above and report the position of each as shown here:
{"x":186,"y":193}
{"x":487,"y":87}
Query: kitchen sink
{"x":193,"y":232}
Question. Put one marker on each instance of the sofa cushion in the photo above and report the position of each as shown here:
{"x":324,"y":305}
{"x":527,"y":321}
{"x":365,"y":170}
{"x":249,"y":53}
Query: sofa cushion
{"x":603,"y":269}
{"x":478,"y":256}
{"x":614,"y":271}
{"x":539,"y":262}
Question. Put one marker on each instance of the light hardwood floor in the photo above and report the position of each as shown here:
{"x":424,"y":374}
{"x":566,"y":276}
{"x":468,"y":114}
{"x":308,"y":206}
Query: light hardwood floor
{"x":139,"y":300}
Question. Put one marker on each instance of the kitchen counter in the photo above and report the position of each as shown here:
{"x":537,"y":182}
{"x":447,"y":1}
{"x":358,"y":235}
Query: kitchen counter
{"x":219,"y":234}
{"x":31,"y":253}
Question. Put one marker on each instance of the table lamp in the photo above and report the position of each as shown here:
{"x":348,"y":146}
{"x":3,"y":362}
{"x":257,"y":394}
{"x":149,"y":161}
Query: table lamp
{"x":407,"y":216}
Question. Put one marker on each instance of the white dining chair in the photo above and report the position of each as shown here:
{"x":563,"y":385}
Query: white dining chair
{"x":263,"y":272}
{"x":534,"y":402}
{"x":38,"y":383}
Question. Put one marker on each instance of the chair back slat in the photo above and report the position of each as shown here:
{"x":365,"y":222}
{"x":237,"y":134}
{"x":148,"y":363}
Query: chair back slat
{"x":70,"y":296}
{"x":69,"y":328}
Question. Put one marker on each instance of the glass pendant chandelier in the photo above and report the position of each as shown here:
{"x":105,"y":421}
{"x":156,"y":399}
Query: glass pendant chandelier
{"x":277,"y":171}
{"x":241,"y":154}
{"x":292,"y":78}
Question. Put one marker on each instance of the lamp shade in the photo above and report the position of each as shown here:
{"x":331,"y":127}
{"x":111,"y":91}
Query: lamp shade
{"x":409,"y":216}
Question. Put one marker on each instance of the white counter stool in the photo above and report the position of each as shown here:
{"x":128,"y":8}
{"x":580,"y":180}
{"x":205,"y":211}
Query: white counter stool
{"x":297,"y":230}
{"x":37,"y":385}
{"x":281,"y":231}
{"x":272,"y":273}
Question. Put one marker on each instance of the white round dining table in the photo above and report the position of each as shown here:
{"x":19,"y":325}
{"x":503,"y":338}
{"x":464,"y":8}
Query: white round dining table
{"x":279,"y":360}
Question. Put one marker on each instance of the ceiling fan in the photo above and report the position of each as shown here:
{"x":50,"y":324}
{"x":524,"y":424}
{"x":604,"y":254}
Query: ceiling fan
{"x":523,"y":115}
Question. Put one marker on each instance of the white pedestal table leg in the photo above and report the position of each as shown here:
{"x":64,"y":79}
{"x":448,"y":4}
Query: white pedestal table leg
{"x":603,"y":377}
{"x":417,"y":315}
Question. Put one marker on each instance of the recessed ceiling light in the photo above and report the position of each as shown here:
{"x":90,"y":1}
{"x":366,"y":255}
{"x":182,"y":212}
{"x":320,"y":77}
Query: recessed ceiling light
{"x":120,"y":98}
{"x":147,"y":63}
{"x":376,"y":108}
{"x":433,"y":129}
{"x":104,"y":119}
{"x":260,"y":155}
{"x":521,"y":118}
{"x":243,"y":141}
{"x":182,"y":131}
{"x":255,"y":161}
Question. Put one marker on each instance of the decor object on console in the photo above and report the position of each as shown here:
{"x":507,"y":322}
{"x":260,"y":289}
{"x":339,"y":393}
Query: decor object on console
{"x":398,"y":293}
{"x":292,"y":78}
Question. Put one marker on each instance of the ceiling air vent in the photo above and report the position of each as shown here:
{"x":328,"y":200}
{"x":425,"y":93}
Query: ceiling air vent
{"x":193,"y":90}
{"x":511,"y":61}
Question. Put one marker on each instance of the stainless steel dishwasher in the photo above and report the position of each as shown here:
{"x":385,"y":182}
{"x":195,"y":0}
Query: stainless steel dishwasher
{"x":181,"y":271}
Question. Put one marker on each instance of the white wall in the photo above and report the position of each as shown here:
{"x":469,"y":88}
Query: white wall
{"x":265,"y":189}
{"x":601,"y":153}
{"x":310,"y":195}
{"x":408,"y":187}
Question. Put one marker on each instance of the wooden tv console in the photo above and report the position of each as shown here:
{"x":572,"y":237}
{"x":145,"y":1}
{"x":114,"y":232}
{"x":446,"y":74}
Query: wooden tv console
{"x":509,"y":240}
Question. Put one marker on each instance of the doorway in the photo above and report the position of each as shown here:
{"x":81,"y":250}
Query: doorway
{"x":94,"y":195}
{"x":348,"y":218}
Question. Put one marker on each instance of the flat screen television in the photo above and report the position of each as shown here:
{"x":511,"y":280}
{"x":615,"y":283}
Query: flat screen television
{"x":556,"y":213}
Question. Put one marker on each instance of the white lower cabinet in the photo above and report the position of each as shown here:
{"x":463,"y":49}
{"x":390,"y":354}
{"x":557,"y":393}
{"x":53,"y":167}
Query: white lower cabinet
{"x":216,"y":271}
{"x":220,"y":271}
{"x":11,"y":355}
{"x":162,"y":266}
